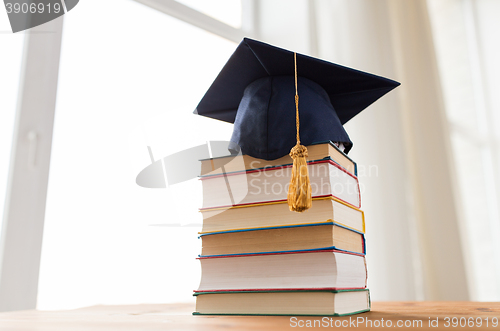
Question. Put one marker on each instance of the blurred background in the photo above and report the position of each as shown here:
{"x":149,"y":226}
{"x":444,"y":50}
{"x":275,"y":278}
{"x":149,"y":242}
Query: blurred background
{"x":82,"y":97}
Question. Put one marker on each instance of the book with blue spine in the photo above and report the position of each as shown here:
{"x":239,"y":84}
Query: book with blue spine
{"x":291,"y":238}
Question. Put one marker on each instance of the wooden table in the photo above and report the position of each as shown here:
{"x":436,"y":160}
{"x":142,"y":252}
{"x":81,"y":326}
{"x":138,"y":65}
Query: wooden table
{"x":178,"y":317}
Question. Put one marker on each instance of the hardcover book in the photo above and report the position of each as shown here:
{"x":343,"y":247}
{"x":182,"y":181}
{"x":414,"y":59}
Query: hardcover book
{"x":271,"y":184}
{"x":320,"y":236}
{"x":326,"y":269}
{"x":303,"y":302}
{"x":317,"y":151}
{"x":275,"y":214}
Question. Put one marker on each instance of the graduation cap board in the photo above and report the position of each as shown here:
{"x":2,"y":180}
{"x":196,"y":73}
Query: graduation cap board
{"x":256,"y":91}
{"x":330,"y":95}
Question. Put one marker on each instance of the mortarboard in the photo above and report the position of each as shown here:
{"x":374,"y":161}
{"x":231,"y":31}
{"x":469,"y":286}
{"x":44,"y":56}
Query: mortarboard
{"x":255,"y":91}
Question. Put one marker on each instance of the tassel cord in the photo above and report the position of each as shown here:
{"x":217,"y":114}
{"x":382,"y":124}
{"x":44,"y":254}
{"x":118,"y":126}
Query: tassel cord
{"x":297,"y":120}
{"x":299,"y":192}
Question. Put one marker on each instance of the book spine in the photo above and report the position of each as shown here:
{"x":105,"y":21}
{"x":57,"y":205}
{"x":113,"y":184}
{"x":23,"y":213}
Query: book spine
{"x":273,"y":290}
{"x":331,"y":248}
{"x":284,"y":166}
{"x":279,"y":253}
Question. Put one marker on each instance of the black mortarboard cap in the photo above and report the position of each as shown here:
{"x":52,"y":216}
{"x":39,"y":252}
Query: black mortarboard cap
{"x":255,"y":91}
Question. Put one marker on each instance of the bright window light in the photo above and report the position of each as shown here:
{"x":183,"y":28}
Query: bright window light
{"x":125,"y":84}
{"x":227,"y":11}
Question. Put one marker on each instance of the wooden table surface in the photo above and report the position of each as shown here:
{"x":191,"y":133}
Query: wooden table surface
{"x":178,"y":317}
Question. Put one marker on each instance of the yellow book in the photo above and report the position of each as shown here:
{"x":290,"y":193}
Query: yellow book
{"x":275,"y":214}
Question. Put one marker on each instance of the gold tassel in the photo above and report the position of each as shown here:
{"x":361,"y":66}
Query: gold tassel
{"x":299,"y":192}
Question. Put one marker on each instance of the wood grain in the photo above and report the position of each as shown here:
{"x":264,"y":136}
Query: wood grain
{"x":178,"y":317}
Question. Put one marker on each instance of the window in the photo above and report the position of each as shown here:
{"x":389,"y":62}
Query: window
{"x":125,"y":84}
{"x":227,"y":11}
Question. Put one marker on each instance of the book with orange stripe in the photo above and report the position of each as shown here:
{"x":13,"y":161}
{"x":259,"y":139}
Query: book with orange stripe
{"x":327,"y":178}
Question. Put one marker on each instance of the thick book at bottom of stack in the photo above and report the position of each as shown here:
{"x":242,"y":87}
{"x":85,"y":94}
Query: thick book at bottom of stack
{"x":300,"y":302}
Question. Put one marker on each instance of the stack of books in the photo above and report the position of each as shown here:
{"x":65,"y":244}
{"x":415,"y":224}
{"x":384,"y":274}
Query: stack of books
{"x":259,"y":258}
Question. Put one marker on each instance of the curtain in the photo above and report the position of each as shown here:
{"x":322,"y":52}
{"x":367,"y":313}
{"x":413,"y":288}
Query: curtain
{"x":428,"y":151}
{"x":467,"y":50}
